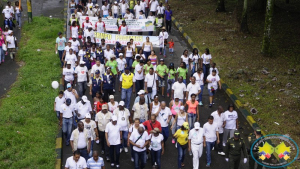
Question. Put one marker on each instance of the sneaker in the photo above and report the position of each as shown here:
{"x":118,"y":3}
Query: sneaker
{"x":173,"y":141}
{"x":132,"y":159}
{"x":155,"y":163}
{"x":176,"y":145}
{"x":147,"y":156}
{"x":213,"y":102}
{"x":121,"y":149}
{"x":117,"y":166}
{"x":221,"y":153}
{"x":102,"y":152}
{"x":112,"y":165}
{"x":224,"y":144}
{"x":107,"y":159}
{"x":210,"y":105}
{"x":208,"y":165}
{"x":126,"y":150}
{"x":200,"y":103}
{"x":213,"y":148}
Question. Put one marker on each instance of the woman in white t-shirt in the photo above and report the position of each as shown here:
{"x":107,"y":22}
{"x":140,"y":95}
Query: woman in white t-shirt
{"x":200,"y":80}
{"x":184,"y":58}
{"x":206,"y":61}
{"x":213,"y":81}
{"x":72,"y":58}
{"x":231,"y":123}
{"x":156,"y":147}
{"x":121,"y":64}
{"x":112,"y":104}
{"x":155,"y":106}
{"x":194,"y":59}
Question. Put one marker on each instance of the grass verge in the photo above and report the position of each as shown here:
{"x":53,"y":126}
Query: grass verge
{"x":29,"y":126}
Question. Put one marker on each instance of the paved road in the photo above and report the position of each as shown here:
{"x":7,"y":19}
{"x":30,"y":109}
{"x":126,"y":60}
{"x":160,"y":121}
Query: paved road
{"x":9,"y":69}
{"x":169,"y":159}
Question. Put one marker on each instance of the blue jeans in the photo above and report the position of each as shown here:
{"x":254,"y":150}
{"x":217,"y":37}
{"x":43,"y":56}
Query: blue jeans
{"x":156,"y":157}
{"x":131,"y":152}
{"x":18,"y":19}
{"x":129,"y":61}
{"x":146,"y":12}
{"x":139,"y":85}
{"x":84,"y":153}
{"x":112,"y":150}
{"x":200,"y":94}
{"x":67,"y":125}
{"x":165,"y":133}
{"x":81,"y":88}
{"x":131,"y":11}
{"x":124,"y":139}
{"x":126,"y":96}
{"x":184,"y":81}
{"x":205,"y":70}
{"x":2,"y":56}
{"x":209,"y":146}
{"x":9,"y":23}
{"x":76,"y":120}
{"x":140,"y":156}
{"x":60,"y":54}
{"x":115,"y":15}
{"x":191,"y":120}
{"x":58,"y":114}
{"x":181,"y":154}
{"x":72,"y":10}
{"x":147,"y":54}
{"x":92,"y":146}
{"x":170,"y":85}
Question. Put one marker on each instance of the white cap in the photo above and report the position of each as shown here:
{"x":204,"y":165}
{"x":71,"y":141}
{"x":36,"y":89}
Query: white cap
{"x":116,"y":2}
{"x":111,"y":97}
{"x":112,"y":56}
{"x":121,"y":103}
{"x":96,"y":5}
{"x":90,"y":26}
{"x":88,"y":116}
{"x":120,"y":54}
{"x":197,"y":125}
{"x":84,"y":98}
{"x":69,"y":62}
{"x":9,"y":32}
{"x":82,"y":62}
{"x":141,"y":92}
{"x":73,"y":36}
{"x":181,"y":107}
{"x":114,"y":118}
{"x":70,"y":41}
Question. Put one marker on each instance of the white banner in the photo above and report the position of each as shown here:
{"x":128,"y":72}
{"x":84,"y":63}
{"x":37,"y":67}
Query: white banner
{"x":134,"y":25}
{"x":123,"y":39}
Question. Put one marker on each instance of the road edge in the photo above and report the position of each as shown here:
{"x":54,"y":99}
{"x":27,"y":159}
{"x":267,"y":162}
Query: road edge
{"x":58,"y":147}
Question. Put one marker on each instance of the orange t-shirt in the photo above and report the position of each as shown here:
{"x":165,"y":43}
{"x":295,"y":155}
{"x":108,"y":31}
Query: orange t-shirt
{"x":171,"y":44}
{"x":192,"y":107}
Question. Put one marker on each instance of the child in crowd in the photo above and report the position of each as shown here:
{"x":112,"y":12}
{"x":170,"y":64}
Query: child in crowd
{"x":171,"y":47}
{"x":59,"y":100}
{"x":213,"y":67}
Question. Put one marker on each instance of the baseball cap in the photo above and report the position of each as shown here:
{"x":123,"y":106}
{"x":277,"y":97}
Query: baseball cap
{"x":68,"y":101}
{"x":111,"y":97}
{"x":84,"y":98}
{"x":82,"y":62}
{"x":237,"y":134}
{"x":68,"y":85}
{"x":121,"y":103}
{"x":108,"y":68}
{"x":87,"y":18}
{"x":104,"y":106}
{"x":197,"y":125}
{"x":69,"y":62}
{"x":258,"y":131}
{"x":74,"y":36}
{"x":97,"y":72}
{"x":88,"y":116}
{"x":161,"y":60}
{"x":181,"y":107}
{"x":90,"y":26}
{"x":114,"y":118}
{"x":186,"y":125}
{"x":155,"y":130}
{"x":120,"y":54}
{"x":96,"y":5}
{"x":112,"y":56}
{"x":141,"y":92}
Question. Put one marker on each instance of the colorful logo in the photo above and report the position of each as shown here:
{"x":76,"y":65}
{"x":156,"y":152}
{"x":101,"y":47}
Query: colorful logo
{"x":285,"y":152}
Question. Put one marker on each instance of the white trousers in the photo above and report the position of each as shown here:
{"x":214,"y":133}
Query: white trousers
{"x":197,"y":153}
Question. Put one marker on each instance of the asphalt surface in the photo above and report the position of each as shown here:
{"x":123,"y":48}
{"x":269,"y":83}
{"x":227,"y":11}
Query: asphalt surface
{"x":169,"y":159}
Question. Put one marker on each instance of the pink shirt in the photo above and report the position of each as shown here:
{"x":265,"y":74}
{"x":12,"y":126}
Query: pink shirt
{"x":175,"y":108}
{"x":192,"y":107}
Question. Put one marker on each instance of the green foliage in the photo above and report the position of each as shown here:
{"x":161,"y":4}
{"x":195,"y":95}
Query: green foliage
{"x":29,"y":125}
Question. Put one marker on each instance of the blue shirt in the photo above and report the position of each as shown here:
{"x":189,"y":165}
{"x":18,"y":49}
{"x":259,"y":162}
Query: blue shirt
{"x":168,"y":15}
{"x":61,"y":42}
{"x":92,"y":164}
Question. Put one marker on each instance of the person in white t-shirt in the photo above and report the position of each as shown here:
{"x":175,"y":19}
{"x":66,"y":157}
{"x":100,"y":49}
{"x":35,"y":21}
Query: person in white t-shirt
{"x":206,"y":60}
{"x":213,"y":81}
{"x":194,"y":60}
{"x":128,"y":15}
{"x":196,"y":143}
{"x":100,"y":26}
{"x":200,"y":80}
{"x":115,"y":9}
{"x":75,"y":45}
{"x":153,"y":6}
{"x":113,"y":136}
{"x":59,"y":100}
{"x":105,"y":8}
{"x":81,"y":72}
{"x":137,"y":8}
{"x":89,"y":33}
{"x":76,"y":161}
{"x":164,"y":116}
{"x":231,"y":123}
{"x":98,"y":66}
{"x":157,"y":146}
{"x":139,"y":140}
{"x":179,"y":89}
{"x":219,"y":119}
{"x":107,"y":53}
{"x":121,"y":64}
{"x":213,"y":67}
{"x":160,"y":10}
{"x":123,"y":7}
{"x":193,"y":88}
{"x":91,"y":126}
{"x":211,"y":134}
{"x":71,"y":57}
{"x":82,"y":108}
{"x":139,"y":76}
{"x":151,"y":82}
{"x":11,"y":44}
{"x":68,"y":75}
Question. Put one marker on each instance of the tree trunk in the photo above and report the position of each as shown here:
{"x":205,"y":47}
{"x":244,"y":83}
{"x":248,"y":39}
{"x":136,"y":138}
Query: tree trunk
{"x":221,"y":6}
{"x":244,"y":25}
{"x":267,"y":30}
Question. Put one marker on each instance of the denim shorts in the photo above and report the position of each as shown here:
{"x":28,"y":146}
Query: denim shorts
{"x":171,"y":49}
{"x":212,"y":93}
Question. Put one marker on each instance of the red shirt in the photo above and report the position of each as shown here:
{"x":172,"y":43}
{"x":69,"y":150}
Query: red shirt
{"x":156,"y":124}
{"x":171,"y":44}
{"x":99,"y":106}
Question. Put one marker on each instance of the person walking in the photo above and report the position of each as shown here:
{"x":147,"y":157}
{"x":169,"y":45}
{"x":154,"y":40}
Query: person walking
{"x":199,"y":76}
{"x":231,"y":123}
{"x":68,"y":75}
{"x":171,"y":78}
{"x":139,"y":75}
{"x":152,"y":123}
{"x":123,"y":115}
{"x":182,"y":140}
{"x":175,"y":109}
{"x":178,"y":90}
{"x":18,"y":13}
{"x":112,"y":104}
{"x":95,"y":84}
{"x":182,"y":71}
{"x":128,"y":54}
{"x":141,"y":94}
{"x":233,"y":149}
{"x":140,"y":110}
{"x":127,"y":84}
{"x":2,"y":44}
{"x":133,"y":128}
{"x":139,"y":140}
{"x":154,"y":59}
{"x":151,"y":83}
{"x":193,"y":110}
{"x":71,"y":94}
{"x":81,"y":140}
{"x":113,"y":136}
{"x":81,"y":72}
{"x":213,"y":81}
{"x":219,"y":119}
{"x":168,"y":18}
{"x":58,"y":102}
{"x":95,"y":162}
{"x":60,"y":44}
{"x":206,"y":60}
{"x":75,"y":161}
{"x":81,"y":109}
{"x":253,"y":137}
{"x":161,"y":71}
{"x":147,"y":48}
{"x":91,"y":126}
{"x":12,"y":44}
{"x":211,"y":134}
{"x":193,"y":88}
{"x":180,"y":118}
{"x":196,"y":143}
{"x":107,"y":84}
{"x":195,"y":60}
{"x":157,"y":147}
{"x":102,"y":119}
{"x":66,"y":120}
{"x":164,"y":117}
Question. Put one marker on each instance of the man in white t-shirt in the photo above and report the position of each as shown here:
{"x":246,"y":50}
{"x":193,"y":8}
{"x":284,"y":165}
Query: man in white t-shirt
{"x":139,"y":76}
{"x":71,"y":57}
{"x":68,"y":75}
{"x":98,"y":66}
{"x":179,"y":89}
{"x":113,"y":136}
{"x":76,"y":161}
{"x":219,"y":119}
{"x":82,"y":108}
{"x":11,"y":44}
{"x":153,"y":6}
{"x":139,"y":140}
{"x":71,"y":94}
{"x":81,"y":72}
{"x":123,"y":7}
{"x":128,"y":15}
{"x":75,"y":45}
{"x":211,"y":134}
{"x":100,"y":26}
{"x":89,"y":33}
{"x":196,"y":142}
{"x":193,"y":88}
{"x":105,"y":8}
{"x":107,"y":53}
{"x":160,"y":10}
{"x":91,"y":126}
{"x":66,"y":119}
{"x":121,"y":64}
{"x":164,"y":116}
{"x":199,"y":80}
{"x":213,"y":81}
{"x":151,"y":82}
{"x":137,"y":8}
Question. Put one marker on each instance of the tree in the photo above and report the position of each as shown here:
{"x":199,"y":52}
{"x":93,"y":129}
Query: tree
{"x":221,"y":6}
{"x":267,"y":30}
{"x":244,"y":25}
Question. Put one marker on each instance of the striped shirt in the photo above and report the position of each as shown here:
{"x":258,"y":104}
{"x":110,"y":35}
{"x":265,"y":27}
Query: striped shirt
{"x":92,"y":164}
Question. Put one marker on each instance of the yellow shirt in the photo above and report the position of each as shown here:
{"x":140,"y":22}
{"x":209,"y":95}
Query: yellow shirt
{"x":182,"y":136}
